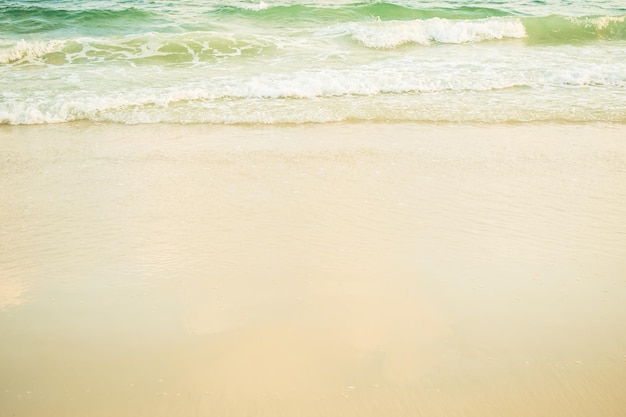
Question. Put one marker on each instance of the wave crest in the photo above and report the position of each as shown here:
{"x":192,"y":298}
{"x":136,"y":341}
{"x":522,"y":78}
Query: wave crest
{"x":561,"y":29}
{"x":29,"y":51}
{"x":392,"y":34}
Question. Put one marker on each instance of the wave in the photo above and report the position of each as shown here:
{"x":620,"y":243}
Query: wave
{"x":23,"y":19}
{"x":351,"y":12}
{"x":29,"y":51}
{"x":376,"y":25}
{"x":419,"y":109}
{"x":562,"y":29}
{"x":549,"y":28}
{"x":552,"y":29}
{"x":404,"y":89}
{"x":158,"y":48}
{"x":207,"y":46}
{"x":151,"y":48}
{"x":391,"y":34}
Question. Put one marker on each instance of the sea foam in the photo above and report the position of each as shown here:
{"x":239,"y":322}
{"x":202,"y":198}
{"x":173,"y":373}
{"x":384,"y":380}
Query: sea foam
{"x":315,"y":92}
{"x":255,"y":6}
{"x":391,"y":34}
{"x":29,"y":50}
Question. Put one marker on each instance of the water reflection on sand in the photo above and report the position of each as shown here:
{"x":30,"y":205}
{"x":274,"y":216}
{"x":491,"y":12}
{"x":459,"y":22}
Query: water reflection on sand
{"x":312,"y":271}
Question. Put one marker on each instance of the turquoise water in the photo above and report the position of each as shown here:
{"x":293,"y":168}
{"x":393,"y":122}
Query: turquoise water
{"x":190,"y":61}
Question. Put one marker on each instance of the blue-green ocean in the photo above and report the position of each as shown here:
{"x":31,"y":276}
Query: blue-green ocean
{"x":298,"y":61}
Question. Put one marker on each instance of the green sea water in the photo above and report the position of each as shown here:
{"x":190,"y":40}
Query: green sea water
{"x":151,"y":61}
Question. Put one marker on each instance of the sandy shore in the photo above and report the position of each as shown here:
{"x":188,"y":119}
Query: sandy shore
{"x":321,"y":270}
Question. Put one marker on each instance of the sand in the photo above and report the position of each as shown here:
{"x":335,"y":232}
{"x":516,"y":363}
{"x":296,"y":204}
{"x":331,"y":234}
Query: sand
{"x":315,"y":270}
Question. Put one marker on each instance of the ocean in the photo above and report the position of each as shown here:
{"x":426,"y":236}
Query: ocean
{"x":294,"y":61}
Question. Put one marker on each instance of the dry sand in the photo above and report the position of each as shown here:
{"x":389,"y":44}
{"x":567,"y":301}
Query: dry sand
{"x":331,"y":270}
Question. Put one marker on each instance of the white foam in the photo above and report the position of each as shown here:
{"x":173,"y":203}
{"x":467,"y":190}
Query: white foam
{"x":601,"y":22}
{"x":211,"y":95}
{"x":470,"y":106}
{"x":29,"y":50}
{"x":391,"y":34}
{"x":255,"y":7}
{"x":191,"y":47}
{"x":612,"y":76}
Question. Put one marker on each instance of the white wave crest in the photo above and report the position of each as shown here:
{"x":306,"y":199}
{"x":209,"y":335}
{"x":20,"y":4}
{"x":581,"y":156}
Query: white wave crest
{"x":391,"y":34}
{"x":25,"y":50}
{"x":255,"y":7}
{"x":599,"y":23}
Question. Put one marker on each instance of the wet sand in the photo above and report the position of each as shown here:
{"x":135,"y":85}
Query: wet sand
{"x":318,"y":270}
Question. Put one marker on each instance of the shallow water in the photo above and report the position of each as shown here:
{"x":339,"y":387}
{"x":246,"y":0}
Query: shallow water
{"x":314,"y":270}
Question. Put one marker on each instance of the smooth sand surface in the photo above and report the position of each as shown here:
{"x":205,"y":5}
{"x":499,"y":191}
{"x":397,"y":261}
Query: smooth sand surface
{"x":318,"y":270}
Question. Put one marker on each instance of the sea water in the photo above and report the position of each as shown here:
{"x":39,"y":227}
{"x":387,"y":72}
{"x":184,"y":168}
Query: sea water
{"x":299,"y":61}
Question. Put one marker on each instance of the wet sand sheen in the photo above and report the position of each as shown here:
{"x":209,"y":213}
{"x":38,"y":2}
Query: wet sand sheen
{"x":349,"y":269}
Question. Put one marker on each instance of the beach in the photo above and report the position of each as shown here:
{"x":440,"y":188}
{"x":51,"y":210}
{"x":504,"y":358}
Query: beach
{"x":306,"y":208}
{"x":337,"y":269}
